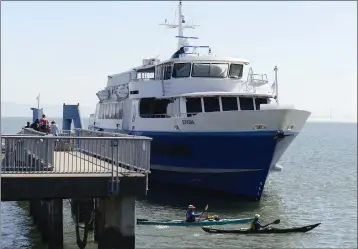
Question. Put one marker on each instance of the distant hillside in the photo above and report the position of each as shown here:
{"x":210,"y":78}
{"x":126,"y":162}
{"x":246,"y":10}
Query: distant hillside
{"x":9,"y":109}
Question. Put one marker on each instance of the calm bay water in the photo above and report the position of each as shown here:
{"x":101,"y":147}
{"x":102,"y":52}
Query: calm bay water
{"x":318,"y":184}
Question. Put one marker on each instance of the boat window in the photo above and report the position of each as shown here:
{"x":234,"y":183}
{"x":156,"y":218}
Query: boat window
{"x":214,"y":70}
{"x":163,"y":72}
{"x":97,"y":111}
{"x":167,"y":72}
{"x":211,"y":104}
{"x":153,"y":108}
{"x":117,"y":111}
{"x":113,"y":111}
{"x":193,"y":106}
{"x":105,"y":110}
{"x":181,"y":70}
{"x":229,"y":103}
{"x":102,"y":111}
{"x":145,"y":73}
{"x":120,"y":110}
{"x":110,"y":111}
{"x":259,"y":101}
{"x":236,"y":71}
{"x":246,"y":103}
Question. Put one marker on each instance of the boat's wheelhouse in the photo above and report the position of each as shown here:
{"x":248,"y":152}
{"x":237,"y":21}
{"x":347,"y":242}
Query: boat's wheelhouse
{"x":198,"y":69}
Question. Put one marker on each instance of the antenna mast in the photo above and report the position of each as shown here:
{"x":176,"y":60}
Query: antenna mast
{"x":183,"y":41}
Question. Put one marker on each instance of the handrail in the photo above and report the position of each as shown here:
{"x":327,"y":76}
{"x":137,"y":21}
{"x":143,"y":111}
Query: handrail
{"x":75,"y":155}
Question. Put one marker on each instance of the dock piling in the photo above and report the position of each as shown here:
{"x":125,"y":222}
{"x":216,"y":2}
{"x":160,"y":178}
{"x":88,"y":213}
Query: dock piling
{"x":55,"y":224}
{"x":117,"y":222}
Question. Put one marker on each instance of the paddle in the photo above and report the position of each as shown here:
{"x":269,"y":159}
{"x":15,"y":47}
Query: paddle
{"x":275,"y":222}
{"x":206,"y":208}
{"x":139,"y":220}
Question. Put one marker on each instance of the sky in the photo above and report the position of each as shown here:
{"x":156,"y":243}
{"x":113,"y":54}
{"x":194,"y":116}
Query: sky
{"x":66,"y":50}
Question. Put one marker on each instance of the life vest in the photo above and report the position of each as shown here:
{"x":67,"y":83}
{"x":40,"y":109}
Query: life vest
{"x":189,"y":216}
{"x":252,"y":225}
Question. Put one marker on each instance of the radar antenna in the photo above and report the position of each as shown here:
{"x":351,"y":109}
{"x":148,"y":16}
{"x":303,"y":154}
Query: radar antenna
{"x":182,"y":40}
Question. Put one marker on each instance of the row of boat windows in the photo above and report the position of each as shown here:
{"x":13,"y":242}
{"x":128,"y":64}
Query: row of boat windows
{"x":185,"y":70}
{"x":150,"y":107}
{"x":110,"y":111}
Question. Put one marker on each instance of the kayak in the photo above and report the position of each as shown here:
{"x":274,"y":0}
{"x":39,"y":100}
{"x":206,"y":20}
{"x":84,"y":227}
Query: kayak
{"x":265,"y":230}
{"x":196,"y":223}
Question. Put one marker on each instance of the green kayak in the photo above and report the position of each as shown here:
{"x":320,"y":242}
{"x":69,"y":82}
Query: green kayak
{"x":196,"y":223}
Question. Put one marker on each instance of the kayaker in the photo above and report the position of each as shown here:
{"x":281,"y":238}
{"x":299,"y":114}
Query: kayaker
{"x":190,"y":214}
{"x":255,"y":224}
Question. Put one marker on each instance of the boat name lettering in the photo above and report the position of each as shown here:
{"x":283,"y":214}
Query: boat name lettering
{"x":188,"y":122}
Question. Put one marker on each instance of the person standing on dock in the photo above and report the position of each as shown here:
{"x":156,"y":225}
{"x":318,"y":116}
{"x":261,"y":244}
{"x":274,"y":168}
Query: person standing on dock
{"x":44,"y":124}
{"x":43,"y":120}
{"x":54,"y":128}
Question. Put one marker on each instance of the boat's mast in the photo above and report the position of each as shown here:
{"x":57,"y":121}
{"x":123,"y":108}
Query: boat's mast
{"x":276,"y":84}
{"x":180,"y":27}
{"x":182,"y":40}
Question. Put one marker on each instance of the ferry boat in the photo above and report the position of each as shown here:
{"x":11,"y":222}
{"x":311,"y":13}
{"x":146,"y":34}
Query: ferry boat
{"x":212,"y":127}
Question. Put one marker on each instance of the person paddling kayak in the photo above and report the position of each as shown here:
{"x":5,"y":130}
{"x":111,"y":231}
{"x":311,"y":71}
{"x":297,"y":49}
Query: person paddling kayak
{"x":255,"y":224}
{"x":190,"y":214}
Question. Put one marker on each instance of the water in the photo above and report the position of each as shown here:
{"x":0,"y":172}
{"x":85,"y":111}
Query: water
{"x":318,"y":184}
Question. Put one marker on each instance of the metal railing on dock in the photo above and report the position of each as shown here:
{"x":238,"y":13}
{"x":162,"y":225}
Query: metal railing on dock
{"x":26,"y":154}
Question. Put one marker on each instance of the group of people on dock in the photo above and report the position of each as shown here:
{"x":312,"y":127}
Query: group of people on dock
{"x":43,"y":125}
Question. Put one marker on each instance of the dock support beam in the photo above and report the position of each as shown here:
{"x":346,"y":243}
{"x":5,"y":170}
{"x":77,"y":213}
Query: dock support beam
{"x":96,"y":219}
{"x":48,"y":216}
{"x":116,"y":222}
{"x":56,"y":224}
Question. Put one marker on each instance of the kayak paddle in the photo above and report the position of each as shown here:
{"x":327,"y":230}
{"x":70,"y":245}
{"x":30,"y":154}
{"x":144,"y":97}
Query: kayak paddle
{"x":140,"y":220}
{"x":206,"y":208}
{"x":275,"y":222}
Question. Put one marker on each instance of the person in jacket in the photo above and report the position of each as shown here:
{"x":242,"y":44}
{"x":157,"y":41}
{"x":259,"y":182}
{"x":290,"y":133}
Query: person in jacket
{"x":255,"y":224}
{"x":44,"y":121}
{"x":35,"y":125}
{"x":191,"y":215}
{"x":54,"y":128}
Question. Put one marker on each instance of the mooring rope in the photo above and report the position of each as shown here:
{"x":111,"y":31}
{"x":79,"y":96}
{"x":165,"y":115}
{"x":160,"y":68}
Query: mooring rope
{"x":88,"y":220}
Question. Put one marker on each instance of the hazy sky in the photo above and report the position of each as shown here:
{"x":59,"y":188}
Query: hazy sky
{"x":65,"y":50}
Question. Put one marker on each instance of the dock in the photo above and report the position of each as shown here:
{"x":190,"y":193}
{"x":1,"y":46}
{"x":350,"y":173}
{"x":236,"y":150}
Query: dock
{"x":101,"y":174}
